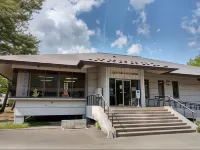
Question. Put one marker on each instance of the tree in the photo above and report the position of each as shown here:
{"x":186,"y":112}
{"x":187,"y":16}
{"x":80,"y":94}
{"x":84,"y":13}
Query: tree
{"x":195,"y":61}
{"x":14,"y":36}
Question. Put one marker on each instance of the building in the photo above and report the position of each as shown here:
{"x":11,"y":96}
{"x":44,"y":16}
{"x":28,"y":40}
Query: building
{"x":58,"y":84}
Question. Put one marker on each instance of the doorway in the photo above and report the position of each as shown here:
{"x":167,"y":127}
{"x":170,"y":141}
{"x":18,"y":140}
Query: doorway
{"x":123,"y":92}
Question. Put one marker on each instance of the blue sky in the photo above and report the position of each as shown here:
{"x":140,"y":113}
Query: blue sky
{"x":160,"y":29}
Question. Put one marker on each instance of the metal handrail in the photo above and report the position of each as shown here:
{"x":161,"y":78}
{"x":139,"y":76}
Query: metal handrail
{"x":105,"y":103}
{"x":163,"y":98}
{"x":180,"y":103}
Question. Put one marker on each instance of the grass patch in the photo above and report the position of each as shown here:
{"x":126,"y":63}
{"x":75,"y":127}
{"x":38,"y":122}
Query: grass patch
{"x":11,"y":125}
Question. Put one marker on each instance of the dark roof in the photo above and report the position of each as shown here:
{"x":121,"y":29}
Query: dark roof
{"x":78,"y":60}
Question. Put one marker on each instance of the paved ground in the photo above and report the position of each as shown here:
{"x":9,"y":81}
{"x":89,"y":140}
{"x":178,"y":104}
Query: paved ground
{"x":92,"y":139}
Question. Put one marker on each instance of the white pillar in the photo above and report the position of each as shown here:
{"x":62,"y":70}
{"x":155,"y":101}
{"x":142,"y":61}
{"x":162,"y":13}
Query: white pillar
{"x":143,"y":102}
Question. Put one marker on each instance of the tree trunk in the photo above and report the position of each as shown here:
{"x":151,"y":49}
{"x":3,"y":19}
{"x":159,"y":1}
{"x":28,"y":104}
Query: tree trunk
{"x":6,"y":98}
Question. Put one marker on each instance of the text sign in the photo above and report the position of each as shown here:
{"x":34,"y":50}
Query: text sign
{"x":127,"y":73}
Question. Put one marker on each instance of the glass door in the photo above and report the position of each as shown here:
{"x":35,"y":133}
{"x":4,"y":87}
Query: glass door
{"x":119,"y":92}
{"x":127,"y":92}
{"x":123,"y":92}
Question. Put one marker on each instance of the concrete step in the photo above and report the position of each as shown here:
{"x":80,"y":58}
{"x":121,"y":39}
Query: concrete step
{"x":144,"y":121}
{"x":136,"y":129}
{"x":139,"y":112}
{"x":142,"y":133}
{"x":140,"y":108}
{"x":148,"y":125}
{"x":141,"y":115}
{"x":144,"y":118}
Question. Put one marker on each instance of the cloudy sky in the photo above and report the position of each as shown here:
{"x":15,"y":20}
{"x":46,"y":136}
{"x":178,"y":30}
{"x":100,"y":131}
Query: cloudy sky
{"x":159,"y":29}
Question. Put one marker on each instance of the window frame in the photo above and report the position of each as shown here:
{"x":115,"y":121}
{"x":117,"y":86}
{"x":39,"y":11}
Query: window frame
{"x":148,"y":90}
{"x":163,"y":88}
{"x":173,"y":90}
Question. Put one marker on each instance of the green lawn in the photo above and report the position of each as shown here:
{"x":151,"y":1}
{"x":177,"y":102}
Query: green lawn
{"x":11,"y":125}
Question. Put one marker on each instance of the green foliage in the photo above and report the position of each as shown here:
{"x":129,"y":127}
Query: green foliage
{"x":197,"y":123}
{"x":198,"y":129}
{"x":11,"y":125}
{"x":14,"y":17}
{"x":97,"y":125}
{"x":3,"y":85}
{"x":10,"y":103}
{"x":195,"y":61}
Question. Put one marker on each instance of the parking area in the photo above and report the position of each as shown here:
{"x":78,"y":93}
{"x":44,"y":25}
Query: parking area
{"x":92,"y":139}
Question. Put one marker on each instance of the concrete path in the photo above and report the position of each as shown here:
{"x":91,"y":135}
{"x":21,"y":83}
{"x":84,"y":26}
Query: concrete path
{"x":92,"y":139}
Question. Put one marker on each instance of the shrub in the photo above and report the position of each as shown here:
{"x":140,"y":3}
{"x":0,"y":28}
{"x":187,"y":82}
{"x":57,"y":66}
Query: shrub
{"x":197,"y":123}
{"x":10,"y":103}
{"x":198,"y":129}
{"x":97,"y":125}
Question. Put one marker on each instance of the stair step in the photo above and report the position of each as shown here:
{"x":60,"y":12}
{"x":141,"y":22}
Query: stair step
{"x":144,"y":121}
{"x":144,"y":118}
{"x":136,"y":129}
{"x":148,"y":125}
{"x":140,"y":108}
{"x":141,"y":115}
{"x":139,"y":112}
{"x":141,"y":133}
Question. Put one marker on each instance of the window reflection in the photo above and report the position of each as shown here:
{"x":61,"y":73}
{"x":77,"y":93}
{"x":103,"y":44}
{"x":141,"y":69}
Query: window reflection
{"x":51,"y":84}
{"x":37,"y":83}
{"x":65,"y":84}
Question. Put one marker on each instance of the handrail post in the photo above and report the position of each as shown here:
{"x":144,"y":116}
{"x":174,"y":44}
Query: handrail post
{"x":112,"y":119}
{"x":184,"y":111}
{"x":193,"y":116}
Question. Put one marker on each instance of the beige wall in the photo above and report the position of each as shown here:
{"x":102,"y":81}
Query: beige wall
{"x":189,"y":87}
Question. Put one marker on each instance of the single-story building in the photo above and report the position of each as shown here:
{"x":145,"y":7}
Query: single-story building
{"x":58,"y":84}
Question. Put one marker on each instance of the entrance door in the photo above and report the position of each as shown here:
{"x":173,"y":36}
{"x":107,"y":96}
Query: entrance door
{"x":123,"y":92}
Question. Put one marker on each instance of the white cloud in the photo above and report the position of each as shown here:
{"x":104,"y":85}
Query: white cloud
{"x":135,"y":49}
{"x":143,"y":29}
{"x":121,"y":41}
{"x":158,"y":30}
{"x":97,"y":21}
{"x":76,"y":49}
{"x":140,"y":4}
{"x":59,"y":29}
{"x":192,"y":44}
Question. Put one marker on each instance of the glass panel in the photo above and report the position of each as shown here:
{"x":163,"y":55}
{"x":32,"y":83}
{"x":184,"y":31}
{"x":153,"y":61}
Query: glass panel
{"x":78,"y":82}
{"x":51,"y":84}
{"x":146,"y":84}
{"x":37,"y":83}
{"x":135,"y":85}
{"x":127,"y":92}
{"x":119,"y":92}
{"x":175,"y":89}
{"x":65,"y":84}
{"x":161,"y":91}
{"x":112,"y":92}
{"x":14,"y":82}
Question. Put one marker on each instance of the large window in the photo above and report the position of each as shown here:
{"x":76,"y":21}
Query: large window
{"x":66,"y":81}
{"x":161,"y":91}
{"x":146,"y":84}
{"x":51,"y":84}
{"x":37,"y":82}
{"x":78,"y":85}
{"x":175,"y":89}
{"x":14,"y":83}
{"x":56,"y":84}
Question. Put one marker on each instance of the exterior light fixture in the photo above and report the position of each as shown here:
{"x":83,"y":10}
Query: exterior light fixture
{"x":168,"y":82}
